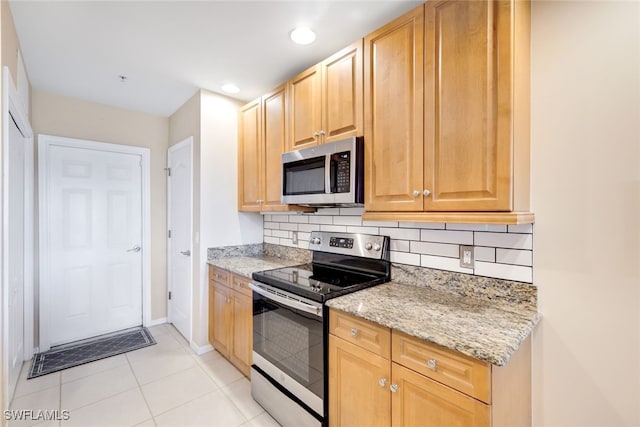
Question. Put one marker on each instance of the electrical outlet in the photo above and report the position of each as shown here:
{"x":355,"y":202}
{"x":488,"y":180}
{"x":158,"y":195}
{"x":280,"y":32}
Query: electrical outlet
{"x":294,"y":237}
{"x":466,"y":256}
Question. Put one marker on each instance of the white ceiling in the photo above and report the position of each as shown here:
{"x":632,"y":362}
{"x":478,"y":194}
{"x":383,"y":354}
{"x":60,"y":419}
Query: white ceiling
{"x":169,"y":49}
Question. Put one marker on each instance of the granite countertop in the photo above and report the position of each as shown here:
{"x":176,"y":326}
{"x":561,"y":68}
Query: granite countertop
{"x":470,"y":326}
{"x":246,"y":265}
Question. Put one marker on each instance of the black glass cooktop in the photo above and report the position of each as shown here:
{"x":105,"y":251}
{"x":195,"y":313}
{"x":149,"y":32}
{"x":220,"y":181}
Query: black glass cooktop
{"x":317,"y":282}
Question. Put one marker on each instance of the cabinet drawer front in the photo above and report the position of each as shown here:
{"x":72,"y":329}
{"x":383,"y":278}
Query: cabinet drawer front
{"x":361,"y":332}
{"x":241,"y":284}
{"x":219,"y":275}
{"x":463,"y":373}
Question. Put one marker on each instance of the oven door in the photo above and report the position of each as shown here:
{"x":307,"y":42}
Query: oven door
{"x":288,"y":344}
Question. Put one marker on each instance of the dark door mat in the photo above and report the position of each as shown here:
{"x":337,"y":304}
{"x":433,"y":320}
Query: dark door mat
{"x":85,"y":351}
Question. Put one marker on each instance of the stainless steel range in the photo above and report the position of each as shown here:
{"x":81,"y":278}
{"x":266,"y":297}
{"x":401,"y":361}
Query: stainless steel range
{"x":290,"y":322}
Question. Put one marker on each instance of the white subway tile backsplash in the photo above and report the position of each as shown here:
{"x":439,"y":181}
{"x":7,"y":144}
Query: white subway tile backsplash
{"x":401,"y":233}
{"x":504,"y":240}
{"x":445,"y":236}
{"x":334,"y":228}
{"x":289,"y":226}
{"x":431,"y":225}
{"x":347,"y":220}
{"x":280,"y":233}
{"x":521,"y":228}
{"x":379,"y":223}
{"x":442,"y":263}
{"x":400,"y":245}
{"x":439,"y":249}
{"x":308,"y":227}
{"x":514,"y":256}
{"x":351,"y":211}
{"x":363,"y":230}
{"x":405,"y":258}
{"x":484,"y":254}
{"x":504,"y":271}
{"x":504,"y":252}
{"x":300,"y":219}
{"x":478,"y":227}
{"x":321,"y":219}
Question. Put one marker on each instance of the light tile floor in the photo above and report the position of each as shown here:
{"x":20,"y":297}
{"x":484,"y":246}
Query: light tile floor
{"x":163,"y":385}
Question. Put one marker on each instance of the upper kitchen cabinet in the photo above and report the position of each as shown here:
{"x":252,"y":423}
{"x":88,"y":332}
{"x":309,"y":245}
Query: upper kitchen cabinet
{"x":261,"y":142}
{"x":471,"y":163}
{"x":250,"y":159}
{"x":393,"y":104}
{"x":326,"y":100}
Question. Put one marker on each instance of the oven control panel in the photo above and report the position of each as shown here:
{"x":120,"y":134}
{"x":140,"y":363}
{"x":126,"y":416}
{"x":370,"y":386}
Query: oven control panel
{"x":363,"y":245}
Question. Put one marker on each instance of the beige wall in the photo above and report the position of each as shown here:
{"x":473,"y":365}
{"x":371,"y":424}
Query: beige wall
{"x":58,"y":115}
{"x":9,"y":41}
{"x":586,"y":197}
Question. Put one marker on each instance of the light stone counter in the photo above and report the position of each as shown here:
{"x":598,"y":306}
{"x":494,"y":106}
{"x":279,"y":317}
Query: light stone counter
{"x":471,"y":326}
{"x":246,"y":265}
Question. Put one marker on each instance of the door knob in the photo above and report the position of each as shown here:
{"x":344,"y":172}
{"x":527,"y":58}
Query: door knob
{"x":136,"y":248}
{"x":186,"y":253}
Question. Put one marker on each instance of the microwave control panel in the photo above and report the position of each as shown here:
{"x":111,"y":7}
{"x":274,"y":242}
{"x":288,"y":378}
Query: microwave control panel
{"x":342,"y":164}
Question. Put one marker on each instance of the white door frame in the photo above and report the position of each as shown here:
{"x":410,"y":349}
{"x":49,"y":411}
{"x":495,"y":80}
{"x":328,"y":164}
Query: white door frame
{"x":185,"y":142}
{"x":46,"y":141}
{"x":12,"y":109}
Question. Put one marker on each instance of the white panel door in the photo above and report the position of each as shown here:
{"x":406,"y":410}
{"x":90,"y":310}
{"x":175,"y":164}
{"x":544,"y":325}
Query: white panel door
{"x":180,"y":248}
{"x":15,"y":255}
{"x":94,"y":210}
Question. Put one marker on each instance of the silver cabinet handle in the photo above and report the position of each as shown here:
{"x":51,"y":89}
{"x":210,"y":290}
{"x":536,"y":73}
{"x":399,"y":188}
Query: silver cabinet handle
{"x":354,"y":331}
{"x":316,"y":134}
{"x":431,"y":363}
{"x":382,"y":382}
{"x":136,"y":248}
{"x":393,"y":388}
{"x":322,"y":132}
{"x":416,"y":193}
{"x":186,"y":253}
{"x":426,"y":192}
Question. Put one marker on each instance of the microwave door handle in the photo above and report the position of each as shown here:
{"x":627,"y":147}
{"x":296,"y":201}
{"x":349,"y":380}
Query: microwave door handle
{"x":299,"y":305}
{"x":327,"y":174}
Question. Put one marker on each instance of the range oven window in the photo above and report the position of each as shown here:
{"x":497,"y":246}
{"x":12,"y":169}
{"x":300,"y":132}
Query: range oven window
{"x":291,"y":340}
{"x":304,"y":176}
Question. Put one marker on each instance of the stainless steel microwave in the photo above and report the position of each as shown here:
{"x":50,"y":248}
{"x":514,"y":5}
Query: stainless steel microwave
{"x":330,"y":174}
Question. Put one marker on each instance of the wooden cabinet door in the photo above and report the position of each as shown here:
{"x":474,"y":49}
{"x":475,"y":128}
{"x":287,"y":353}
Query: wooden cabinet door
{"x":356,"y":396}
{"x":468,"y":108}
{"x":342,"y":94}
{"x":249,"y":157}
{"x":220,"y":315}
{"x":393,"y":106}
{"x":304,"y":109}
{"x":242,"y":340}
{"x":422,"y":402}
{"x":274,"y":144}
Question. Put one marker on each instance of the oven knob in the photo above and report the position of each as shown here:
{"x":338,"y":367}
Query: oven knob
{"x":368,"y":246}
{"x":377,"y":247}
{"x":315,"y":240}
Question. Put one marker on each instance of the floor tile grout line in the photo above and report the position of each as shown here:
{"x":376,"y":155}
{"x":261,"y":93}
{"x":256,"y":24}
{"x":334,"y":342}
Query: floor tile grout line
{"x":153,"y":418}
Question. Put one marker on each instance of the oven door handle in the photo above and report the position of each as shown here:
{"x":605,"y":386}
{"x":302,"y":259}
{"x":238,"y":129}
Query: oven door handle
{"x":299,"y":305}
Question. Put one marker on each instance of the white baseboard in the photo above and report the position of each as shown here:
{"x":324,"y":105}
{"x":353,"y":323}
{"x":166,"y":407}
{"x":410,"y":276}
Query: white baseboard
{"x":202,"y":349}
{"x":156,"y":322}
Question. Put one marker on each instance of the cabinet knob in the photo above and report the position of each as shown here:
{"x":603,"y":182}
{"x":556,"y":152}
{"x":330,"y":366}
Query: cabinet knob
{"x":382,"y":382}
{"x":354,"y":331}
{"x":393,"y":388}
{"x":426,"y":192}
{"x":431,"y":364}
{"x":416,"y":193}
{"x":322,"y":132}
{"x":316,"y":134}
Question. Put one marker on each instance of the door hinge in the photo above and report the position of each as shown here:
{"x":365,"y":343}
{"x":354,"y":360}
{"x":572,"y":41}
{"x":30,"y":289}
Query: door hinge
{"x":168,"y":171}
{"x":169,"y":234}
{"x":169,"y":294}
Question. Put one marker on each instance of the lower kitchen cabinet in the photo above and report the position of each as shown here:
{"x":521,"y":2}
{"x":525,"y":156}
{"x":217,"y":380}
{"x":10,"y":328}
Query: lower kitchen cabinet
{"x":231,"y":317}
{"x":382,"y":377}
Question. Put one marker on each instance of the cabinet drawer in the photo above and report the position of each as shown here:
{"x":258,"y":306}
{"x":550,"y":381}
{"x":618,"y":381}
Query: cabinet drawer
{"x":463,"y":373}
{"x":219,"y":275}
{"x":361,"y":332}
{"x":241,"y":284}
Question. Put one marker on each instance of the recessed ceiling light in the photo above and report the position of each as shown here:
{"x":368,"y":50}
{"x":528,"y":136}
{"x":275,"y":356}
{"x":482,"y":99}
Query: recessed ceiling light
{"x":303,"y":35}
{"x":230,"y":88}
